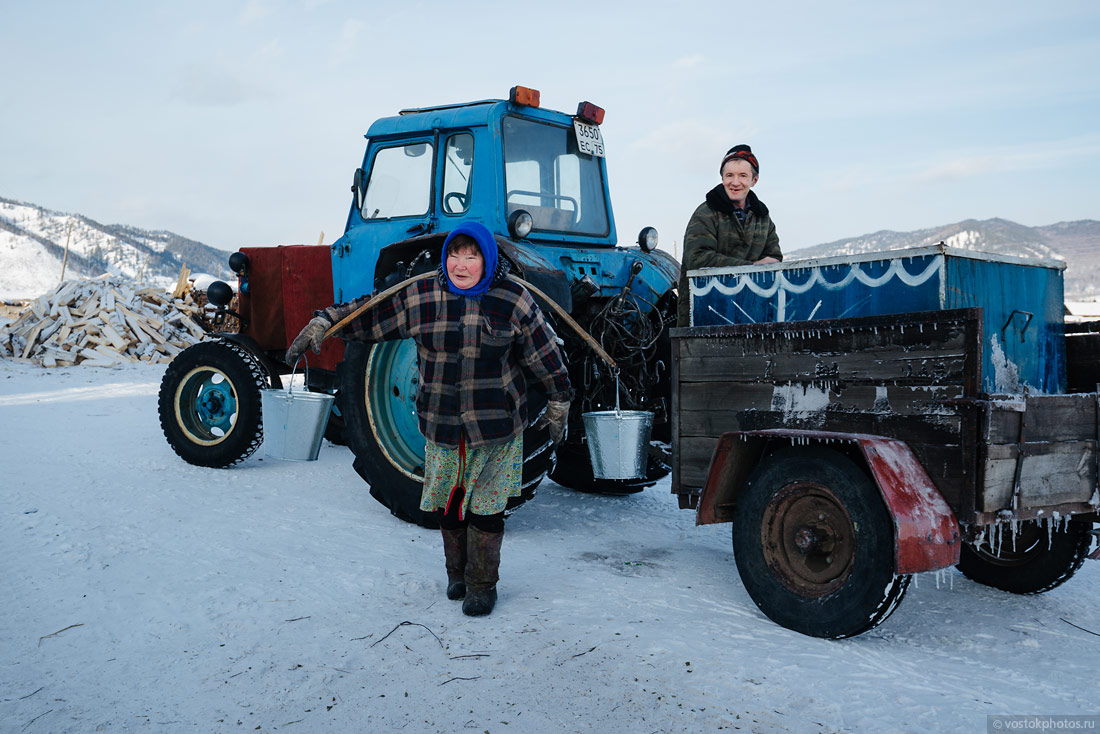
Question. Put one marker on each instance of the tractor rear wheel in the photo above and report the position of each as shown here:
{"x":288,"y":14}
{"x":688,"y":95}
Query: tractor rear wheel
{"x":378,"y":386}
{"x":209,"y":404}
{"x":814,"y":544}
{"x":1037,"y":559}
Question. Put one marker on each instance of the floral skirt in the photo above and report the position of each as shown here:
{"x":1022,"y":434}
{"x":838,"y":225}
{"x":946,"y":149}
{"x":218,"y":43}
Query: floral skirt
{"x":489,"y":474}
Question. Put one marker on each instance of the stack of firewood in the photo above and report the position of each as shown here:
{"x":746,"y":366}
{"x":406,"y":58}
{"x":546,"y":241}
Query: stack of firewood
{"x":103,"y":322}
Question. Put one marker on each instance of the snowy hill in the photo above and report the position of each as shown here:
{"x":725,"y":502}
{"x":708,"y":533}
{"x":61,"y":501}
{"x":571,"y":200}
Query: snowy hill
{"x":32,"y":248}
{"x":1077,"y":243}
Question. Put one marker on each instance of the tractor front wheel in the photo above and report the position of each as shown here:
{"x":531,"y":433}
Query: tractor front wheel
{"x":209,"y":404}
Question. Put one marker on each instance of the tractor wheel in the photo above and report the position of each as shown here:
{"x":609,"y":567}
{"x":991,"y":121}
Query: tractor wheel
{"x":814,"y":544}
{"x":334,"y":430}
{"x":378,"y":386}
{"x":1038,"y":559}
{"x":209,"y":404}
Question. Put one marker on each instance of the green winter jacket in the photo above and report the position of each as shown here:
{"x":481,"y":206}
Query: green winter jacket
{"x":714,"y":238}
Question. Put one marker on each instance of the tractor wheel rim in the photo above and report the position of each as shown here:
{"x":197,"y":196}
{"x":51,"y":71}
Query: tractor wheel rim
{"x":206,"y":405}
{"x":808,"y":539}
{"x":392,"y":381}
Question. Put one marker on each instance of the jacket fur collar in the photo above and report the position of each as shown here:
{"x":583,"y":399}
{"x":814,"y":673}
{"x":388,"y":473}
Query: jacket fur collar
{"x":719,"y":201}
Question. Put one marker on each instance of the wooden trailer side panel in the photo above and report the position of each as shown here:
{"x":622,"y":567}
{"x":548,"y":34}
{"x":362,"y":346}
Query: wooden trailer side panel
{"x":1039,"y":455}
{"x":912,"y":377}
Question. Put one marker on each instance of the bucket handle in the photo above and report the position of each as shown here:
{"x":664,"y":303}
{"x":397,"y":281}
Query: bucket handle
{"x":293,"y":370}
{"x":615,"y":371}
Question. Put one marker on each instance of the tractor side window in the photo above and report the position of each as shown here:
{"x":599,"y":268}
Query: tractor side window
{"x":400,"y":182}
{"x":457,"y":182}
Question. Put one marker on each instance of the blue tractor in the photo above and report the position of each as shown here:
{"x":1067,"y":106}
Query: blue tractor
{"x":537,"y":179}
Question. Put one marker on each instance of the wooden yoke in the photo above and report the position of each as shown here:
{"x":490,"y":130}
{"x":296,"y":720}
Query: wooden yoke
{"x":405,"y":283}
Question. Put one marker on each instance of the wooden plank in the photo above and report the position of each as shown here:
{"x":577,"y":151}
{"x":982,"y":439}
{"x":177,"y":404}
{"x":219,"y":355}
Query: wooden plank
{"x":1050,"y":474}
{"x":938,"y":348}
{"x":1049,"y":417}
{"x":31,"y":338}
{"x":693,"y":458}
{"x":181,"y":283}
{"x":931,"y":356}
{"x":888,"y":364}
{"x":114,"y":338}
{"x":840,"y":396}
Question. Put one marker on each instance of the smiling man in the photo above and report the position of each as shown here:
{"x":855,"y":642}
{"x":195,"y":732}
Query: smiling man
{"x":732,"y":227}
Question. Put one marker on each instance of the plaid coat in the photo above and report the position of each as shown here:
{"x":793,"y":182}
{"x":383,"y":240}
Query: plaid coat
{"x":715,"y":238}
{"x":474,"y":355}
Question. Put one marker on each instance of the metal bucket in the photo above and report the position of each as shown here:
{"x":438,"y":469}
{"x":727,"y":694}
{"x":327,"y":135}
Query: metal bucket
{"x":294,"y":422}
{"x":618,"y":442}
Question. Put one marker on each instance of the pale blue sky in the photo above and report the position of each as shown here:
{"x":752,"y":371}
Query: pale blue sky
{"x":240,"y":122}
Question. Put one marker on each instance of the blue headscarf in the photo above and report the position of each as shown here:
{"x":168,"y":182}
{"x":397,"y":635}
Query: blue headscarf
{"x":488,"y":244}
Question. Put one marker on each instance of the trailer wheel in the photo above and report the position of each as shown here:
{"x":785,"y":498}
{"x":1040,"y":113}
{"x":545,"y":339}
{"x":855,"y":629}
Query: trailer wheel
{"x":209,"y":404}
{"x":377,"y":397}
{"x":814,"y":544}
{"x":1037,"y":560}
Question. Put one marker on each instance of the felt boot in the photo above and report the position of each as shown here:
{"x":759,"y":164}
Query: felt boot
{"x":482,"y":566}
{"x":454,"y":550}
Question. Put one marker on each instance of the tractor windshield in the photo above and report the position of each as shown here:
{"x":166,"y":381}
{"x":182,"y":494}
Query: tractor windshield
{"x":545,"y":174}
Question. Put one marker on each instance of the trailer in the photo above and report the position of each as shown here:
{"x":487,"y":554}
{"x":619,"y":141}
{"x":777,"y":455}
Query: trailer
{"x":860,"y":420}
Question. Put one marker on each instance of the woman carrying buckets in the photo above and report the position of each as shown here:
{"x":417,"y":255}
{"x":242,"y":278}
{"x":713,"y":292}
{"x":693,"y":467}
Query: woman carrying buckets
{"x":479,"y":335}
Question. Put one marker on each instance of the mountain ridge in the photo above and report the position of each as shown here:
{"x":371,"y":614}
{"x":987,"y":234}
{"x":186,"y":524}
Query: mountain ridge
{"x":32,"y":247}
{"x":1076,"y":242}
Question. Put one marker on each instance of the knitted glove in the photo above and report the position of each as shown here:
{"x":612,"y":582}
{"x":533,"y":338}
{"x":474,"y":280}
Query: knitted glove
{"x":311,"y":336}
{"x":555,"y":417}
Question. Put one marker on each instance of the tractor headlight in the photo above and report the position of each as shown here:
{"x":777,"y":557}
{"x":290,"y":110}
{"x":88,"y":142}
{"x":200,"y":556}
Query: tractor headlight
{"x":520,"y":223}
{"x":647,"y":239}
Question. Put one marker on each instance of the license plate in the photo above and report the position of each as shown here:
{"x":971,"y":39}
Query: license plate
{"x":589,"y":139}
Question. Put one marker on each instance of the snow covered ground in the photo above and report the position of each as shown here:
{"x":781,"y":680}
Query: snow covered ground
{"x":144,"y":594}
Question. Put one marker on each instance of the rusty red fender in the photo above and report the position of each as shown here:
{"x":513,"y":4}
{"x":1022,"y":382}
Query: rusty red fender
{"x":926,"y":532}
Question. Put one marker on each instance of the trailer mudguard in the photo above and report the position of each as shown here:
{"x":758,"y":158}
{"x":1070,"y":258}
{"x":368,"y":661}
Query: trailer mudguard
{"x":926,"y":532}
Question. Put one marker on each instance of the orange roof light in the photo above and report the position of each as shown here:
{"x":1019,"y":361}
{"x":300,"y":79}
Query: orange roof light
{"x":524,"y":96}
{"x":590,"y":112}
